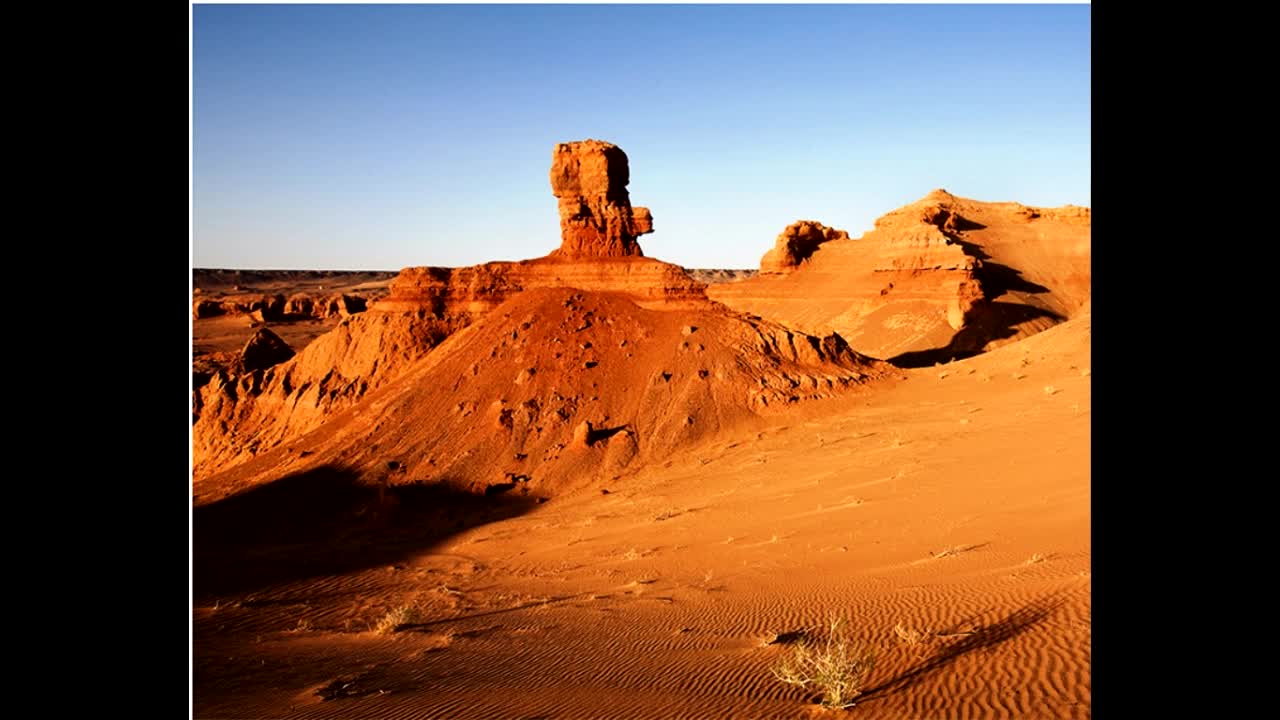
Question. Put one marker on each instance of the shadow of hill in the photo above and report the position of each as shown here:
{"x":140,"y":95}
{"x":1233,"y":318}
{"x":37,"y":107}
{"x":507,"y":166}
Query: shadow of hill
{"x":997,"y":279}
{"x":325,"y":522}
{"x":981,"y":639}
{"x":990,"y":321}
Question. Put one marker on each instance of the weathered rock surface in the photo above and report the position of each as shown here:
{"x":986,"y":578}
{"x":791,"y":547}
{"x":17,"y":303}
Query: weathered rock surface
{"x":942,"y":277}
{"x":475,"y":290}
{"x":796,"y":244}
{"x":241,"y":411}
{"x":589,"y":178}
{"x":278,"y":308}
{"x":204,"y":308}
{"x":263,"y":350}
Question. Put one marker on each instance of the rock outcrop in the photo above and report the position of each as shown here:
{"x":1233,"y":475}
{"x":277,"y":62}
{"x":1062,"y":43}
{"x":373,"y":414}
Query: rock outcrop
{"x":589,"y":178}
{"x":263,"y":350}
{"x":796,"y":244}
{"x":204,"y":308}
{"x":473,"y":291}
{"x":278,"y":308}
{"x":942,"y":277}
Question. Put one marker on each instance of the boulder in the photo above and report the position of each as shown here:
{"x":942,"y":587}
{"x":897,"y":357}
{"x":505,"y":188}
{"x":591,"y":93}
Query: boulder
{"x":796,"y":243}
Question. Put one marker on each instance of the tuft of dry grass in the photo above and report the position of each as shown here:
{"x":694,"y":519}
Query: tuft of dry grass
{"x":836,"y":666}
{"x":909,"y":636}
{"x":952,"y":551}
{"x":394,"y":619}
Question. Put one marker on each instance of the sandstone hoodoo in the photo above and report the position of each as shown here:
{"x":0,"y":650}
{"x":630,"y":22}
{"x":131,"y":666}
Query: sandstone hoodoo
{"x":796,"y":244}
{"x":598,"y":249}
{"x":589,"y":178}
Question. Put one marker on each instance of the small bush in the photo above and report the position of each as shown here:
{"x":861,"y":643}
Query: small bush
{"x":837,"y":666}
{"x":394,"y":618}
{"x":909,"y":636}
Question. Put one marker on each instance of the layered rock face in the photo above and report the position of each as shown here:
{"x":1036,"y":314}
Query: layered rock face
{"x":589,"y":178}
{"x":942,"y":277}
{"x":269,"y":307}
{"x":263,"y":350}
{"x":474,"y":291}
{"x":796,"y":244}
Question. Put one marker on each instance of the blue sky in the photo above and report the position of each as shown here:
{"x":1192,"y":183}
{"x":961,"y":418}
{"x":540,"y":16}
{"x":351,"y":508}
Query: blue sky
{"x":380,"y":137}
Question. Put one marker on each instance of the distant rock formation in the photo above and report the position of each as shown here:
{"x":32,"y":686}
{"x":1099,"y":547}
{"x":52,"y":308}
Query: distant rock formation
{"x":277,"y":308}
{"x":590,"y":179}
{"x":940,"y":278}
{"x":796,"y":244}
{"x":263,"y":350}
{"x":203,"y":308}
{"x":711,"y":276}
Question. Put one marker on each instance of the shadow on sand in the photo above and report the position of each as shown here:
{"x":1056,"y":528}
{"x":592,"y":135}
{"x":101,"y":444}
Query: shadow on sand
{"x":991,"y":319}
{"x":981,"y":639}
{"x":325,"y":522}
{"x":989,"y":322}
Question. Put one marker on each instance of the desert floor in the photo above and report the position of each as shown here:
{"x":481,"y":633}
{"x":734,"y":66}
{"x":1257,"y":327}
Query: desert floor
{"x":949,"y":505}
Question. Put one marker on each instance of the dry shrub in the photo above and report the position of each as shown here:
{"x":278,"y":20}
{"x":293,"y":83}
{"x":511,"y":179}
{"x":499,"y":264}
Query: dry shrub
{"x":836,"y":666}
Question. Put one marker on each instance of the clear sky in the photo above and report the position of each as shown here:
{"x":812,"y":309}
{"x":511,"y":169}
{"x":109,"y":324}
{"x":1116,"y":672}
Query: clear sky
{"x":379,"y":137}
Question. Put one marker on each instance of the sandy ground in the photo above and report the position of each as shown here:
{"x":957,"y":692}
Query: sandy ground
{"x":952,"y":502}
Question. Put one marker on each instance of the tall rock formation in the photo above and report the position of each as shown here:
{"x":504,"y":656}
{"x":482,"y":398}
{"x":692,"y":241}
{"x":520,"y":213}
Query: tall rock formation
{"x":589,"y":178}
{"x":598,"y":249}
